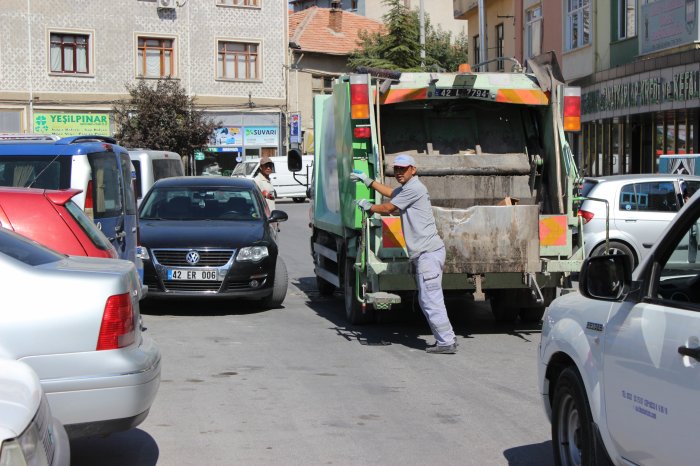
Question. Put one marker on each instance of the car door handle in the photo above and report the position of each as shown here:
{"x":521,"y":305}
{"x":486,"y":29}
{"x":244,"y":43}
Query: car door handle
{"x":691,"y":352}
{"x":630,"y":221}
{"x":647,"y":245}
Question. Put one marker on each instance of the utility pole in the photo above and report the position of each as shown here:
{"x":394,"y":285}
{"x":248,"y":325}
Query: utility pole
{"x":422,"y":34}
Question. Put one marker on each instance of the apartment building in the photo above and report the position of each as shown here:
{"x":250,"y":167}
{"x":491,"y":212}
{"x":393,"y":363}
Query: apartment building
{"x":63,"y":64}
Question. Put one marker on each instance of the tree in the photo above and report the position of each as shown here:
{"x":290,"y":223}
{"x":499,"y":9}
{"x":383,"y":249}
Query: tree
{"x":162,"y":117}
{"x":399,"y":47}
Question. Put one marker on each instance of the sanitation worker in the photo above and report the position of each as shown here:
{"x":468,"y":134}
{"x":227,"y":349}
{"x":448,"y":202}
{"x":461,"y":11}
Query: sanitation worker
{"x":425,"y":247}
{"x":262,"y":179}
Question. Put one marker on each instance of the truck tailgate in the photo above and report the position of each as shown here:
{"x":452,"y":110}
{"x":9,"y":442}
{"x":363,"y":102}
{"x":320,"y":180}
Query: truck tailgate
{"x":482,"y":239}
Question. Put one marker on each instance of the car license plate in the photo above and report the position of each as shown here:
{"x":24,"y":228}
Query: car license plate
{"x":184,"y":274}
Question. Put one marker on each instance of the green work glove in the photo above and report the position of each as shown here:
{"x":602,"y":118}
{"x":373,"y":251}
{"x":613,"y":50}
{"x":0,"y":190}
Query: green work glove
{"x":364,"y":204}
{"x":357,"y":175}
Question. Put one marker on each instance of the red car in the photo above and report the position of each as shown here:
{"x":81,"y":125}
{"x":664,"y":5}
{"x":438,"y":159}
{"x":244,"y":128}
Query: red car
{"x":51,"y":218}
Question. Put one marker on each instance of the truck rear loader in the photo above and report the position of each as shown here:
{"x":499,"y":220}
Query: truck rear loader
{"x":492,"y":152}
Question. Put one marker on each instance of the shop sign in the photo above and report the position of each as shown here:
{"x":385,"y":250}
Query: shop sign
{"x":261,"y":136}
{"x":72,"y":124}
{"x":667,"y":23}
{"x":295,"y":128}
{"x":684,"y":86}
{"x":198,"y":155}
{"x":227,"y":136}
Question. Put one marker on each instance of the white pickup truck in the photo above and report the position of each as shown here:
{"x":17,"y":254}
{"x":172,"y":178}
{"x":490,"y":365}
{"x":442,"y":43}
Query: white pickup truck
{"x":619,"y":362}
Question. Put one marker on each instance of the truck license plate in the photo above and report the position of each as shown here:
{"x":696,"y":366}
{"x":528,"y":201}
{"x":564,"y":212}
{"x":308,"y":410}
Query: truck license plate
{"x":461,"y":92}
{"x":176,"y":274}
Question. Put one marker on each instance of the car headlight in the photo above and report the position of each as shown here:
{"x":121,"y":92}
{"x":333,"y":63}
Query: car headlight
{"x":142,"y":253}
{"x":34,"y":447}
{"x":252,"y":253}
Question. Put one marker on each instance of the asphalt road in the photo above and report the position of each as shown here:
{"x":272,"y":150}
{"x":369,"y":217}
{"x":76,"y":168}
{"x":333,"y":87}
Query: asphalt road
{"x":299,"y":386}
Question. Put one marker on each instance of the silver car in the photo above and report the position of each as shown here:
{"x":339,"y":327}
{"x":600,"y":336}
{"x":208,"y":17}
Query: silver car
{"x":29,"y":434}
{"x":640,"y":207}
{"x":76,"y":322}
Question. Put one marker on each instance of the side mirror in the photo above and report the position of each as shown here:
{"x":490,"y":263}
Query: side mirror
{"x":278,"y":216}
{"x":606,"y":277}
{"x":294,"y":163}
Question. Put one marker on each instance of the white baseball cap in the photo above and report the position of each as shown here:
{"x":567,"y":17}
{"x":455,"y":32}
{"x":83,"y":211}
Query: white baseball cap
{"x":404,"y":160}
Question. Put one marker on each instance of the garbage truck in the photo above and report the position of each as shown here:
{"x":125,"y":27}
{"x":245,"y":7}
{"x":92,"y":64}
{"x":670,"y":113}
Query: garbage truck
{"x":491,"y":150}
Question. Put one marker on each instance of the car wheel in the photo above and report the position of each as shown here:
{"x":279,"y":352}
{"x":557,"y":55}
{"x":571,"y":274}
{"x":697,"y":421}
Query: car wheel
{"x":616,"y":247}
{"x":299,"y":200}
{"x":572,"y":431}
{"x":353,"y":308}
{"x":504,"y":305}
{"x":279,"y":287}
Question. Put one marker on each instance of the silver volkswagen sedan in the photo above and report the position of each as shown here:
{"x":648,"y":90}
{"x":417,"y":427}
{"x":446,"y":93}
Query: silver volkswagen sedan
{"x":76,"y":322}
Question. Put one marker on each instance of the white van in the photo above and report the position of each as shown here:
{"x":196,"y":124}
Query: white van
{"x":286,"y":183}
{"x":152,"y":165}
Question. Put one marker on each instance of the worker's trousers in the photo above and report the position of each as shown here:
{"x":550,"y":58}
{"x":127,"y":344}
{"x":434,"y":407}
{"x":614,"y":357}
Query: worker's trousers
{"x":428,"y":268}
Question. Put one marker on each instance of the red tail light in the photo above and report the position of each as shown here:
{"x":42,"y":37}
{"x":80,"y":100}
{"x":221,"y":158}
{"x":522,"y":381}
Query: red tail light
{"x":585,"y":215}
{"x":88,"y":195}
{"x":362,"y":132}
{"x":117,"y":329}
{"x":88,"y":201}
{"x":359,"y":97}
{"x":572,"y":109}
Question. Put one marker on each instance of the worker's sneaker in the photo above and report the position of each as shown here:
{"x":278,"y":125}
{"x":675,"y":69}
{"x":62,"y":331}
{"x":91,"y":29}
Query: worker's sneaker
{"x":445,"y":349}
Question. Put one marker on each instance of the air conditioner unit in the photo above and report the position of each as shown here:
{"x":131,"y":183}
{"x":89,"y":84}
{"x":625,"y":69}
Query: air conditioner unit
{"x":166,"y":4}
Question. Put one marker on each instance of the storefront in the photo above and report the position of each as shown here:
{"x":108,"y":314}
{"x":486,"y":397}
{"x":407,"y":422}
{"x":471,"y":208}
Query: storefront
{"x":241,"y":136}
{"x":634,"y":113}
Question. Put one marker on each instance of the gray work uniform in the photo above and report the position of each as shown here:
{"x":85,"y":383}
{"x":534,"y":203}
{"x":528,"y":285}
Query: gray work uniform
{"x":427,"y":254}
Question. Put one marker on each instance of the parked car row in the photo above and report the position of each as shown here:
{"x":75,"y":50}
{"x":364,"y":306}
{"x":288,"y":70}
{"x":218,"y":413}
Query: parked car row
{"x":69,"y":219}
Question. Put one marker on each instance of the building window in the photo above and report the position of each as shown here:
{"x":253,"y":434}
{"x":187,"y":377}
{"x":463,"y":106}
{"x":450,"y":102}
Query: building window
{"x":238,"y":2}
{"x":156,"y":57}
{"x":627,"y":18}
{"x":477,"y":50}
{"x":499,"y":47}
{"x":237,"y":60}
{"x":533,"y":32}
{"x":70,"y":53}
{"x":578,"y":23}
{"x":321,"y":84}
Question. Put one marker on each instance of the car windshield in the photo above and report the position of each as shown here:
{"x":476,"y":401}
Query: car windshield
{"x":201,"y":203}
{"x":25,"y":250}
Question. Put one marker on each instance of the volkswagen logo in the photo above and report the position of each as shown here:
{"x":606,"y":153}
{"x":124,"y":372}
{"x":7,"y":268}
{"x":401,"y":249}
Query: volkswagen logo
{"x":192,"y":257}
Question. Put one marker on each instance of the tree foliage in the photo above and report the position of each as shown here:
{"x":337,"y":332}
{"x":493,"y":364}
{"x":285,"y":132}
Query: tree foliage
{"x":398,"y":48}
{"x":161,"y":117}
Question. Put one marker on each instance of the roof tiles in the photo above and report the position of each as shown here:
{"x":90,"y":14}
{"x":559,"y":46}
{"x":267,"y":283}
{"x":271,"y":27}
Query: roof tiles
{"x":312,"y":30}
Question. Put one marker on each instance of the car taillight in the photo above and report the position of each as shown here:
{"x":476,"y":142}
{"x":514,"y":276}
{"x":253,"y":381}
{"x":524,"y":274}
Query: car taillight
{"x":585,"y":215}
{"x":117,"y":329}
{"x":88,"y":201}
